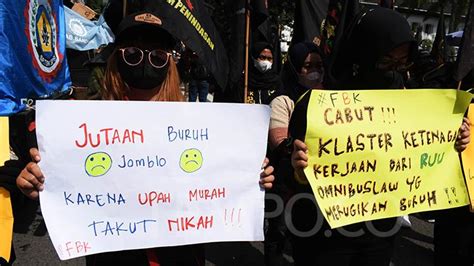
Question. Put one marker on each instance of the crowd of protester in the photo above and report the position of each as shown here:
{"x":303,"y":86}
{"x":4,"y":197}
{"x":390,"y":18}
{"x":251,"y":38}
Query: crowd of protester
{"x":379,"y":52}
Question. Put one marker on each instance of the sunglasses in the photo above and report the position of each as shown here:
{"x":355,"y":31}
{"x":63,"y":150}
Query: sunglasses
{"x":133,"y":56}
{"x":392,"y":64}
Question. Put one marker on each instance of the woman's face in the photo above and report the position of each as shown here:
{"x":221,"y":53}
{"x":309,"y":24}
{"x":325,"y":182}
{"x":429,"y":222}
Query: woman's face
{"x":396,"y":59}
{"x":312,"y":63}
{"x":264,"y":60}
{"x":312,"y":71}
{"x":265,"y":55}
{"x":143,"y":65}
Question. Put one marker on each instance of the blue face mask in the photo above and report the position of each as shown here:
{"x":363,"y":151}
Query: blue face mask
{"x":83,"y":34}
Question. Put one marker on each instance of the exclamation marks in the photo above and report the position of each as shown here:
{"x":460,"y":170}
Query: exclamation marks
{"x":453,"y":189}
{"x":454,"y":196}
{"x":447,"y":194}
{"x":232,"y":217}
{"x":388,"y":115}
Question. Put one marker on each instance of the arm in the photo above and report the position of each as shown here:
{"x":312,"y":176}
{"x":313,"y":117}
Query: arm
{"x":282,"y":108}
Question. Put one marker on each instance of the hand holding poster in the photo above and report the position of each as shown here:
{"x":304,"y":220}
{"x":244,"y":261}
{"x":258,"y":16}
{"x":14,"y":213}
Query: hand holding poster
{"x":468,"y":161}
{"x":384,"y":153}
{"x":130,"y":175}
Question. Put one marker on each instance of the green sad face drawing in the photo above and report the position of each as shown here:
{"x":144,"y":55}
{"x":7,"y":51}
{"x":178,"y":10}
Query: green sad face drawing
{"x":98,"y":164}
{"x":191,"y":160}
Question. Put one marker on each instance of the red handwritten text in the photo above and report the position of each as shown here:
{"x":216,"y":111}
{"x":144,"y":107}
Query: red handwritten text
{"x":75,"y":248}
{"x":188,"y":223}
{"x":206,"y":194}
{"x":154,"y":197}
{"x":110,"y":136}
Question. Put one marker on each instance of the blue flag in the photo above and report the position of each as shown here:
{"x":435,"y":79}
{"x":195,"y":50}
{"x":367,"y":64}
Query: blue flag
{"x":32,"y":52}
{"x":83,"y":34}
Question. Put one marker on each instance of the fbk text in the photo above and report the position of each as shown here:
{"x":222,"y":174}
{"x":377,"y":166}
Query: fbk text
{"x":75,"y":248}
{"x":344,"y":98}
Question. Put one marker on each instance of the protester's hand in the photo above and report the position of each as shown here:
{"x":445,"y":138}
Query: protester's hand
{"x":299,"y":160}
{"x":299,"y":157}
{"x":266,"y":176}
{"x":464,"y":136}
{"x":31,"y":179}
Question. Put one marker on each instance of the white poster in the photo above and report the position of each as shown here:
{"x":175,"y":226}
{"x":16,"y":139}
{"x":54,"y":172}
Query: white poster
{"x":130,"y":175}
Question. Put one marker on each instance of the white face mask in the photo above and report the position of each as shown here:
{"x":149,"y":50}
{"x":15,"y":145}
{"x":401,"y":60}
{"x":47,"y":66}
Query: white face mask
{"x":262,"y":66}
{"x":311,"y":80}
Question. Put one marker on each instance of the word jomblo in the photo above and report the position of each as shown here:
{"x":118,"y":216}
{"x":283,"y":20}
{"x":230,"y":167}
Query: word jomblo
{"x":384,"y":153}
{"x":163,"y":181}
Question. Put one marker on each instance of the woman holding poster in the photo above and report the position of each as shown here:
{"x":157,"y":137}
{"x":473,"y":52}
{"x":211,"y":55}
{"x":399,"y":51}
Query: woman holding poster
{"x":302,"y":71}
{"x":141,"y":68}
{"x":378,"y":51}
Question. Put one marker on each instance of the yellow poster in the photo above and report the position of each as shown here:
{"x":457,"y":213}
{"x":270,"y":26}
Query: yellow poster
{"x":6,"y":224}
{"x":384,"y":153}
{"x":4,"y":141}
{"x":468,"y":160}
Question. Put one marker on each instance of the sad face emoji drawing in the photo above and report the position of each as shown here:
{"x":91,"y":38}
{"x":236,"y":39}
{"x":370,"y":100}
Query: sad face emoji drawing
{"x":191,"y":160}
{"x":98,"y":164}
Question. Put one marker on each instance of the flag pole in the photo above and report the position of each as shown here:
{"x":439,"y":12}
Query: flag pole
{"x":247,"y":40}
{"x":124,"y":8}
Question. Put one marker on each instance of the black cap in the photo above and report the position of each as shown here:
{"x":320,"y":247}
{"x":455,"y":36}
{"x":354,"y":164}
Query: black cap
{"x":145,"y":26}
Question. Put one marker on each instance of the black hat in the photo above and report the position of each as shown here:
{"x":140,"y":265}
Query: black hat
{"x":144,"y":26}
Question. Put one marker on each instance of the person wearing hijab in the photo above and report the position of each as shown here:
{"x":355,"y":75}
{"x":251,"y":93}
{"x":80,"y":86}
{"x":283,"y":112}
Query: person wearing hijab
{"x":378,"y":51}
{"x":302,"y":71}
{"x":263,"y":78}
{"x":376,"y":54}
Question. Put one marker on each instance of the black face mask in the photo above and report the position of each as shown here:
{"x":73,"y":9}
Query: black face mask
{"x":143,"y":76}
{"x":384,"y":79}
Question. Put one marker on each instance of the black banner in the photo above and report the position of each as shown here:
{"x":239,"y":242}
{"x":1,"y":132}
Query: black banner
{"x":309,"y":15}
{"x":465,"y":60}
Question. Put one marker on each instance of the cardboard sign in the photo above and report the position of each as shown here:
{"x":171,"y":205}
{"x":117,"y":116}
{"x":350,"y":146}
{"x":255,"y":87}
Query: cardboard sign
{"x":131,"y":175}
{"x":384,"y":153}
{"x":6,"y":224}
{"x":4,"y":140}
